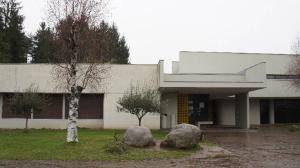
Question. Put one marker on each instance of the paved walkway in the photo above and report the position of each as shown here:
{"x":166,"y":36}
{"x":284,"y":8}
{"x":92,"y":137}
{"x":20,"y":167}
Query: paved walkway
{"x":269,"y":146}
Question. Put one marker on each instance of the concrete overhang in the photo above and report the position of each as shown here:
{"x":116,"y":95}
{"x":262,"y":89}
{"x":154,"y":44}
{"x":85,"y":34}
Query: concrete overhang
{"x":249,"y":79}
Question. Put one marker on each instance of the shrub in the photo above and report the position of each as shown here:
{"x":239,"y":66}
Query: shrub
{"x":116,"y":146}
{"x":294,"y":128}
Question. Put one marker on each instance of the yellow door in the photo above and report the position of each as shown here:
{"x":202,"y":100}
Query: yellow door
{"x":182,"y":113}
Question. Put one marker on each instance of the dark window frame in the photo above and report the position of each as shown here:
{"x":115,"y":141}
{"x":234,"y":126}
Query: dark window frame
{"x":282,"y":76}
{"x":87,"y":114}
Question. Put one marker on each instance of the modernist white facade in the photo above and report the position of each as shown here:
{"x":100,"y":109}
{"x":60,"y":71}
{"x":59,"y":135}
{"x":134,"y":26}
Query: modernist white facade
{"x":227,"y":89}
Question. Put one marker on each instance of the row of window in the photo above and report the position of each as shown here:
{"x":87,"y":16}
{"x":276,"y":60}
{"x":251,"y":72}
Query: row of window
{"x":285,"y":111}
{"x":276,"y":76}
{"x":90,"y":107}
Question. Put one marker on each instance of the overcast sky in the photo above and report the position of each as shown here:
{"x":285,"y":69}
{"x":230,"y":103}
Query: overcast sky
{"x":159,"y":29}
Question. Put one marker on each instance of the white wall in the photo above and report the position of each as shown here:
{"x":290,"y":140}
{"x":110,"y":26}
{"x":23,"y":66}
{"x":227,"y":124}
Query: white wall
{"x":122,"y":76}
{"x":18,"y":77}
{"x":254,"y":112}
{"x":226,"y":112}
{"x":276,"y":88}
{"x":18,"y":123}
{"x":205,"y":62}
{"x":121,"y":120}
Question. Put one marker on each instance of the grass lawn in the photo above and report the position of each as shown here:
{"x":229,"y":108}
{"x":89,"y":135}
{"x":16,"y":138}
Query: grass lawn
{"x":47,"y":144}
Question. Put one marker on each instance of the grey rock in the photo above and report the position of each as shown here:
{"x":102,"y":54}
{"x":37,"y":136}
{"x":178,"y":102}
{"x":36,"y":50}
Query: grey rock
{"x":183,"y":136}
{"x":138,"y":136}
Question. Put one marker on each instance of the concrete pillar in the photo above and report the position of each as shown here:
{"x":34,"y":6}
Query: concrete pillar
{"x":169,"y":110}
{"x":64,"y":107}
{"x":1,"y":105}
{"x":271,"y":112}
{"x":242,"y":117}
{"x":32,"y":113}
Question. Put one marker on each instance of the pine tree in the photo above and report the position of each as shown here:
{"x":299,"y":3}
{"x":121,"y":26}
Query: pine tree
{"x":123,"y":51}
{"x":13,"y":34}
{"x":3,"y":43}
{"x":43,"y":45}
{"x":113,"y":48}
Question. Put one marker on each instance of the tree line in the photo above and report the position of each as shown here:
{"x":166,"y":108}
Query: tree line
{"x":45,"y":45}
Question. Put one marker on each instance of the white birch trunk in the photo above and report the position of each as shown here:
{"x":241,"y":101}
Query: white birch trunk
{"x":72,"y":121}
{"x":72,"y":135}
{"x":76,"y":90}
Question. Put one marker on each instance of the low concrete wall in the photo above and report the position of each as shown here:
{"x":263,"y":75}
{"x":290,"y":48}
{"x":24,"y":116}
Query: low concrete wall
{"x":18,"y":123}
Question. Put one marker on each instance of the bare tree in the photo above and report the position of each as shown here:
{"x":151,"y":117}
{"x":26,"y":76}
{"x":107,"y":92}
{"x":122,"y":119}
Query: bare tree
{"x":77,"y":66}
{"x":294,"y":68}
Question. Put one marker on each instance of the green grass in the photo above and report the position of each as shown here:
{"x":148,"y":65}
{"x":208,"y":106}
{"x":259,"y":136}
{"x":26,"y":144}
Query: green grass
{"x":294,"y":128}
{"x":208,"y":143}
{"x":47,"y":144}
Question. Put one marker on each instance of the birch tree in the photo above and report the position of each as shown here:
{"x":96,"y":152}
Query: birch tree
{"x":77,"y":66}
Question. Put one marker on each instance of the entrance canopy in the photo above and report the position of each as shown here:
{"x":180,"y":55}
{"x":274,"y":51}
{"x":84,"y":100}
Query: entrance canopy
{"x":249,"y":79}
{"x":193,"y":92}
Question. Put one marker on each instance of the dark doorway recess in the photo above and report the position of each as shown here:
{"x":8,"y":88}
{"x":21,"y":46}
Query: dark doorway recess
{"x":264,"y":111}
{"x":198,"y":108}
{"x":287,"y":111}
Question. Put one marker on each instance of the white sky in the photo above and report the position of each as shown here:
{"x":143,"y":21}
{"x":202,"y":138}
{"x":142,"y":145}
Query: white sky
{"x":159,"y":29}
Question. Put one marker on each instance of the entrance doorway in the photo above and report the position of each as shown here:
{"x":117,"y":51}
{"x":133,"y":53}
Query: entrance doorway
{"x":264,"y":112}
{"x":287,"y":111}
{"x":193,"y":108}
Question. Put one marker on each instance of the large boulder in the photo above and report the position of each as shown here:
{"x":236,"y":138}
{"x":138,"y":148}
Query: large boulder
{"x":183,"y":136}
{"x":138,"y":136}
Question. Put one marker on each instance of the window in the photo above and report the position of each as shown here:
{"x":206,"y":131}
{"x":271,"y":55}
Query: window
{"x":277,"y":76}
{"x":90,"y":106}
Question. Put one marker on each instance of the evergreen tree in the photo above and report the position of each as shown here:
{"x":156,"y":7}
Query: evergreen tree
{"x":1,"y":39}
{"x":123,"y":51}
{"x":110,"y":46}
{"x":16,"y":42}
{"x":3,"y":43}
{"x":113,"y":48}
{"x":43,"y":45}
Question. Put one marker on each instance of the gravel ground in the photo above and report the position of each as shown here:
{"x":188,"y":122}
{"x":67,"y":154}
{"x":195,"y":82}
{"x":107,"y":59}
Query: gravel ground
{"x":269,"y":146}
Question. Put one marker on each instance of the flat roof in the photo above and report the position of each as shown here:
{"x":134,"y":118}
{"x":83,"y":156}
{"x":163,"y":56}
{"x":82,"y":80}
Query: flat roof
{"x":227,"y":52}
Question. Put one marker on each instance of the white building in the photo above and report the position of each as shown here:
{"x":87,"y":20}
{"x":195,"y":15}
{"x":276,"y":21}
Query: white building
{"x":226,"y":89}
